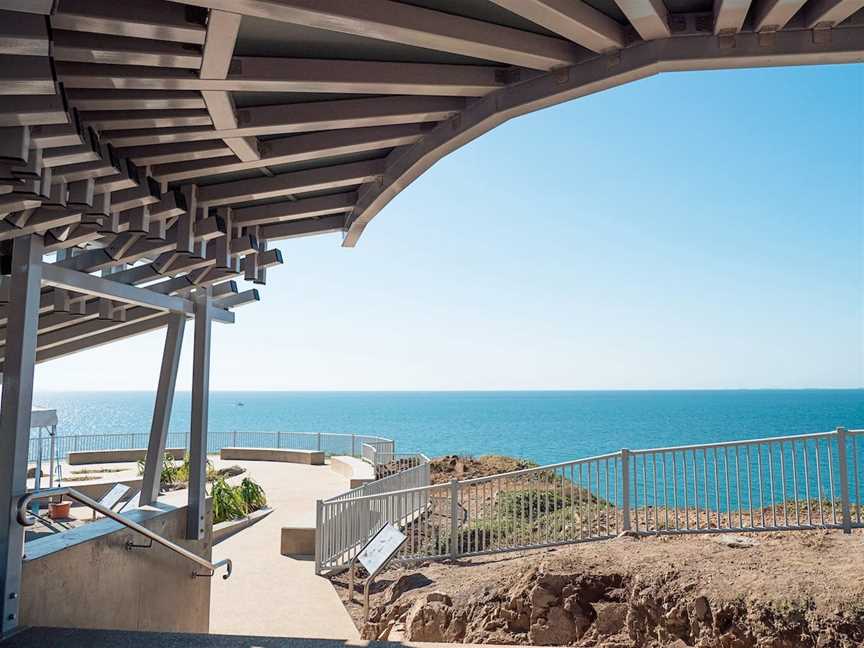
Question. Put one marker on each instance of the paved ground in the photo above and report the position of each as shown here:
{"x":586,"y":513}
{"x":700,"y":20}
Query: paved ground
{"x":270,"y":594}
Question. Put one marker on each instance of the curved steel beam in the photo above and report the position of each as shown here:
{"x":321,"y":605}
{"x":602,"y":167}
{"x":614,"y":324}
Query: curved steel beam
{"x":689,"y":53}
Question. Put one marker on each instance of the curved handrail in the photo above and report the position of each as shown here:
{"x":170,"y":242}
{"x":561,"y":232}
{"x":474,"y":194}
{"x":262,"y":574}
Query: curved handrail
{"x":26,"y":520}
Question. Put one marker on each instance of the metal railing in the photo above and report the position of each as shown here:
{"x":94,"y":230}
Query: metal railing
{"x":774,"y":484}
{"x":342,"y":527}
{"x":26,"y":520}
{"x":379,"y":451}
{"x":331,"y":443}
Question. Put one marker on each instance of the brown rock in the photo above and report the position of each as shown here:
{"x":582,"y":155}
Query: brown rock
{"x":439,"y":597}
{"x":428,"y":620}
{"x":405,"y":583}
{"x":557,"y":629}
{"x":541,"y":597}
{"x":611,"y":617}
{"x":702,"y":609}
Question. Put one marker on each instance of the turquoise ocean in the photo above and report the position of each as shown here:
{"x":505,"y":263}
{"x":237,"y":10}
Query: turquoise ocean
{"x":545,"y":427}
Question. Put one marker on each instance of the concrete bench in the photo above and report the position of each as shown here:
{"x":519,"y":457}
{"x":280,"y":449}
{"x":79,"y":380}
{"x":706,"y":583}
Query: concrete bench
{"x":356,"y":471}
{"x":308,"y":457}
{"x":298,"y":541}
{"x":116,"y":456}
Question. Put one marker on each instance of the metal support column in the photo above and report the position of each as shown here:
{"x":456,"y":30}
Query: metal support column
{"x":625,"y":489}
{"x":843,"y":468}
{"x":162,"y":409}
{"x":198,"y":434}
{"x":15,"y":408}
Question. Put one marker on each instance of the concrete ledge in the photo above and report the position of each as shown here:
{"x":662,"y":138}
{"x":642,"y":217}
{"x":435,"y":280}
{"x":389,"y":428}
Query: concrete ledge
{"x":356,"y":471}
{"x":224,"y":530}
{"x":308,"y":457}
{"x":298,"y":541}
{"x":116,"y":456}
{"x":95,"y":490}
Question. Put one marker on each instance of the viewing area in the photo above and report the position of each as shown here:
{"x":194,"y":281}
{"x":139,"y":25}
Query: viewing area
{"x":152,"y":152}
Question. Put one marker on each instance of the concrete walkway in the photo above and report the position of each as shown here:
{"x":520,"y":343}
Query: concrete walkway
{"x":270,"y":594}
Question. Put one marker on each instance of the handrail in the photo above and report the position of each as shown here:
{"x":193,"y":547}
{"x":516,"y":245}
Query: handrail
{"x":26,"y":520}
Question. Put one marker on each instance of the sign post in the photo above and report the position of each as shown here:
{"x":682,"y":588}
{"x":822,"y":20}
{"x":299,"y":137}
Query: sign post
{"x":376,"y":553}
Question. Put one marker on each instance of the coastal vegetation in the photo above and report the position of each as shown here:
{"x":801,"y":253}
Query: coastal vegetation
{"x":230,"y":502}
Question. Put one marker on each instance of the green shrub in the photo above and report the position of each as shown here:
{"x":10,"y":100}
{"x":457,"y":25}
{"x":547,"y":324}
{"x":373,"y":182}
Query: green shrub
{"x":529,"y":504}
{"x":252,"y":495}
{"x":170,"y":473}
{"x":227,"y":502}
{"x":234,"y":502}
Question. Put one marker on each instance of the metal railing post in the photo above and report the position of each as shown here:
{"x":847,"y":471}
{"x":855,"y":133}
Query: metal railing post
{"x":234,"y":444}
{"x":353,"y":445}
{"x":454,"y":523}
{"x":625,"y":489}
{"x":319,"y":516}
{"x":844,"y":480}
{"x":319,"y":441}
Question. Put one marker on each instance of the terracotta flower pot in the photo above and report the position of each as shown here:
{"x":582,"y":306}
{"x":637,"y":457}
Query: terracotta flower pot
{"x":59,"y":510}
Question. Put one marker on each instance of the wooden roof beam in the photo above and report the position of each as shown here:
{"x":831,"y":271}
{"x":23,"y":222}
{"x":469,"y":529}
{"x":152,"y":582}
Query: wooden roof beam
{"x":649,"y":17}
{"x":295,"y":209}
{"x":270,"y":74}
{"x":829,"y":13}
{"x":409,"y":25}
{"x":286,"y":184}
{"x":150,"y":19}
{"x":306,"y":117}
{"x":573,"y":19}
{"x":86,"y":47}
{"x":297,"y":148}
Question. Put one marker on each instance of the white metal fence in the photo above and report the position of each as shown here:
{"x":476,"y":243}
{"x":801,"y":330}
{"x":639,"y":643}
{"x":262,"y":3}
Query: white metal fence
{"x":331,"y":443}
{"x":781,"y":483}
{"x":343,"y":522}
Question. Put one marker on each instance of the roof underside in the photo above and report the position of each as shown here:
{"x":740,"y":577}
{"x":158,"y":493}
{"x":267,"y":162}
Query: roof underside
{"x":186,"y":134}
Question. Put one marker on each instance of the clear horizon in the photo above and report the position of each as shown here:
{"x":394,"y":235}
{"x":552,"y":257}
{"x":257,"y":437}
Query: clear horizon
{"x":456,"y":391}
{"x":594,"y":246}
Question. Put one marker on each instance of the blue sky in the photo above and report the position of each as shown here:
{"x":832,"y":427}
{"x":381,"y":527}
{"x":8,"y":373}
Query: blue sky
{"x":692,"y":230}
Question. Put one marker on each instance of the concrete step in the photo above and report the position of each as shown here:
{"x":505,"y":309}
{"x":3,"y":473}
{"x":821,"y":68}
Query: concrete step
{"x":357,"y":471}
{"x":80,"y":638}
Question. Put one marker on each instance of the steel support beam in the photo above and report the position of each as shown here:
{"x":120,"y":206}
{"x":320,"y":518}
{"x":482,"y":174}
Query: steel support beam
{"x":134,"y":100}
{"x":297,"y":229}
{"x":295,"y":209}
{"x":266,"y":74}
{"x":729,"y":15}
{"x":150,"y":19}
{"x":303,"y":118}
{"x":222,"y":29}
{"x":643,"y":60}
{"x":416,"y":26}
{"x":80,"y":282}
{"x":196,"y":512}
{"x":829,"y":13}
{"x":649,"y":17}
{"x":113,"y":334}
{"x":298,"y":148}
{"x":772,"y":15}
{"x":86,"y":47}
{"x":23,"y":34}
{"x":15,"y":408}
{"x":333,"y":177}
{"x":573,"y":19}
{"x":162,"y":409}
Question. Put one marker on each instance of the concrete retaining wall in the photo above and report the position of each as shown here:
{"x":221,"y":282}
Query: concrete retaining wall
{"x":308,"y":457}
{"x":113,"y":456}
{"x":298,"y":541}
{"x":85,"y":578}
{"x":357,"y":471}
